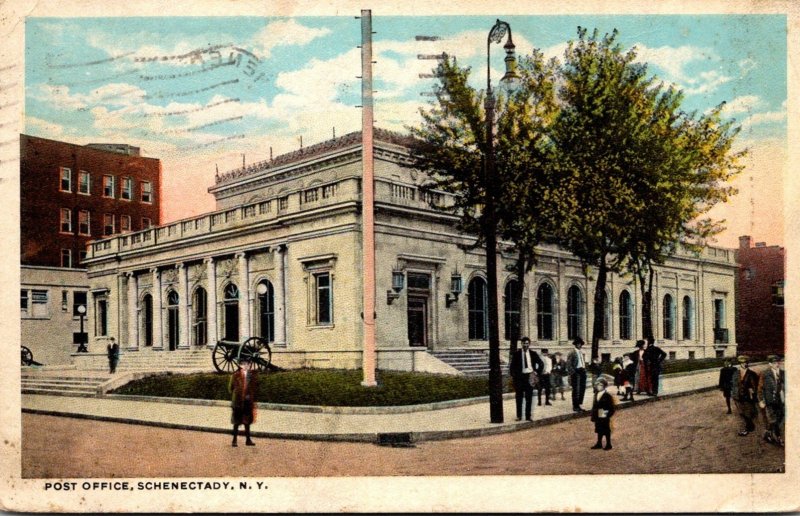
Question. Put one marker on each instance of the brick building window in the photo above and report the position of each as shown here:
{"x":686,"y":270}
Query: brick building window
{"x":108,"y":224}
{"x":66,"y":180}
{"x":84,"y":223}
{"x":147,"y":191}
{"x":108,"y":186}
{"x":124,"y":223}
{"x":81,"y":256}
{"x":66,"y":220}
{"x":777,"y":293}
{"x":84,"y":183}
{"x":146,"y":223}
{"x":66,"y":257}
{"x":127,"y":188}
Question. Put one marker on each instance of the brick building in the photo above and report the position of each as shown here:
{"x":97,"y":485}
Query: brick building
{"x":70,"y":195}
{"x":759,"y":297}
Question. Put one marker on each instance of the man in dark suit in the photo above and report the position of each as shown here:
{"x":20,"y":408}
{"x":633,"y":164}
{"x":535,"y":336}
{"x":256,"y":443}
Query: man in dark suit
{"x":525,"y":367}
{"x":743,"y":392}
{"x":654,"y":357}
{"x":576,"y":367}
{"x":602,"y":410}
{"x":771,"y":399}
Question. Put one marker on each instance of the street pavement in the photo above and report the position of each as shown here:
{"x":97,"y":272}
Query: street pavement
{"x":431,"y":422}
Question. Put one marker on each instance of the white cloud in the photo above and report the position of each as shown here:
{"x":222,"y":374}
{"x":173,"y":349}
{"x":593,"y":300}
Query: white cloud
{"x":743,"y":104}
{"x":58,"y":97}
{"x":674,"y":61}
{"x":746,"y":65}
{"x":43,"y":128}
{"x":284,"y":33}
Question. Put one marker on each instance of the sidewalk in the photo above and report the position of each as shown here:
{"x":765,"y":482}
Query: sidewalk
{"x":430,"y":422}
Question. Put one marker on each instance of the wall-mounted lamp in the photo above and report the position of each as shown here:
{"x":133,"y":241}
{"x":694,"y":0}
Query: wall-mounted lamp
{"x":398,"y":282}
{"x":456,"y":287}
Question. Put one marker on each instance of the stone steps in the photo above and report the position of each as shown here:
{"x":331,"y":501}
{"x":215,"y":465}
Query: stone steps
{"x":62,"y":385}
{"x":468,"y":362}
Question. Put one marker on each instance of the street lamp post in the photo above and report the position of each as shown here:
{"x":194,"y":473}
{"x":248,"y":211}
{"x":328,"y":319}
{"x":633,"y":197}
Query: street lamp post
{"x":510,"y":79}
{"x":82,"y":341}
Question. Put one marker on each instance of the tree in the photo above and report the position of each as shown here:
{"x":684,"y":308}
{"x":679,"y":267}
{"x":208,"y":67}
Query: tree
{"x":638,"y":172}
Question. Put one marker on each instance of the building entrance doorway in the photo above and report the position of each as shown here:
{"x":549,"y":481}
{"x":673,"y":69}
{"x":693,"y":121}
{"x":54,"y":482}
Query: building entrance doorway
{"x":417,"y":321}
{"x":173,"y":331}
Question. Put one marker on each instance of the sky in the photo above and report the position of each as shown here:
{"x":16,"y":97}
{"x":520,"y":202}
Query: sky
{"x":206,"y":93}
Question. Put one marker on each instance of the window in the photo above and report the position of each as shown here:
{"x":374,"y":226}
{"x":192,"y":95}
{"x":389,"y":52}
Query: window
{"x":266,"y":311}
{"x":127,"y":188}
{"x":324,"y":298}
{"x":328,"y":191}
{"x":147,"y":319}
{"x":78,"y":299}
{"x":419,"y":280}
{"x":476,"y":301}
{"x":512,"y":310}
{"x":124,"y":223}
{"x":200,"y":304}
{"x":668,"y":318}
{"x":102,"y":317}
{"x":64,"y":300}
{"x":147,"y":191}
{"x":84,"y":183}
{"x":66,"y":179}
{"x":574,"y":312}
{"x":672,"y":355}
{"x":231,"y":319}
{"x":66,"y":220}
{"x":84,"y":223}
{"x":66,"y":257}
{"x":283,"y":203}
{"x":310,"y":195}
{"x":687,"y":318}
{"x":108,"y":186}
{"x":720,"y":330}
{"x":263,"y":207}
{"x":108,"y":224}
{"x":719,"y":353}
{"x":81,"y":256}
{"x":23,"y":300}
{"x":777,"y":293}
{"x":544,"y":312}
{"x":39,"y":303}
{"x":606,"y":319}
{"x":691,"y":355}
{"x":146,"y":223}
{"x":625,"y":311}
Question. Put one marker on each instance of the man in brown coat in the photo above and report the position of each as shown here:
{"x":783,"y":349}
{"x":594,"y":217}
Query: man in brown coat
{"x":243,"y":386}
{"x":743,"y":392}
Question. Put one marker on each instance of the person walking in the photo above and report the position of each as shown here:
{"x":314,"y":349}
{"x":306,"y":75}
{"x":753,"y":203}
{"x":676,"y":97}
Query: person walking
{"x":654,"y":358}
{"x":112,"y":350}
{"x":743,"y":392}
{"x":576,"y":367}
{"x":243,"y":387}
{"x":772,"y":398}
{"x":545,"y":378}
{"x":726,"y":382}
{"x":524,"y":368}
{"x":602,"y":410}
{"x":558,"y":374}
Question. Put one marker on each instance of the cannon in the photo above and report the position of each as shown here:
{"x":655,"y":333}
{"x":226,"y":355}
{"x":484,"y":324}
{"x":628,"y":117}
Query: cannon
{"x":227,"y":355}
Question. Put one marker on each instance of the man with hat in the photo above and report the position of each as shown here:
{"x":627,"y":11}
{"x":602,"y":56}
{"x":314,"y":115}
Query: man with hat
{"x":576,"y":367}
{"x":243,"y":386}
{"x":602,"y":410}
{"x":771,"y":399}
{"x":525,"y":367}
{"x":743,"y":392}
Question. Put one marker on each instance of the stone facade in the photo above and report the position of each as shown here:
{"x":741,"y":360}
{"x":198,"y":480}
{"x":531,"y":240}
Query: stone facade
{"x":293,"y":225}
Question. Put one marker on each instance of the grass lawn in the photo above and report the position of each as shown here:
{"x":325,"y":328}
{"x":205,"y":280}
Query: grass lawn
{"x":324,"y":387}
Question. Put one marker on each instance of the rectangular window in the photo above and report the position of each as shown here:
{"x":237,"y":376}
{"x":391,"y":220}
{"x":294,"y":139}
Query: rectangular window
{"x":108,"y":186}
{"x":310,"y":195}
{"x":102,"y":317}
{"x":283,"y":203}
{"x":66,"y":220}
{"x":84,"y":183}
{"x":777,"y":293}
{"x":66,"y":179}
{"x":147,"y":191}
{"x":66,"y":257}
{"x":127,"y":188}
{"x":84,"y":223}
{"x":124,"y":223}
{"x":23,"y":300}
{"x":263,"y":207}
{"x":81,"y":256}
{"x":324,"y":298}
{"x":78,"y":299}
{"x":605,"y":358}
{"x":691,"y":355}
{"x":719,"y":353}
{"x":108,"y":224}
{"x":146,"y":223}
{"x":672,"y":355}
{"x":64,"y":300}
{"x":39,"y":303}
{"x":328,"y":191}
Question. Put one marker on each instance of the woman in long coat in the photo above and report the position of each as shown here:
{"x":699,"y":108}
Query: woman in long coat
{"x":643,"y":376}
{"x":243,"y":387}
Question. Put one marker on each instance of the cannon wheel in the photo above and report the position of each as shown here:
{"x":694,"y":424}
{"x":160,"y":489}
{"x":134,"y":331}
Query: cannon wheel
{"x":225,"y":357}
{"x":257,"y":349}
{"x":27,"y":356}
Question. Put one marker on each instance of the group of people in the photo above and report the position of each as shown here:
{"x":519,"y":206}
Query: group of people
{"x":752,"y":391}
{"x":529,"y":371}
{"x":639,"y":371}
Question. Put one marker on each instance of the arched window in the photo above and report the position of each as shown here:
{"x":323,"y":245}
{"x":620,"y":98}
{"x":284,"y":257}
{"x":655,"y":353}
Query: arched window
{"x":231,"y":302}
{"x":605,"y":330}
{"x":147,"y":319}
{"x":200,"y":316}
{"x":625,"y":311}
{"x":476,"y":299}
{"x":574,"y":313}
{"x":687,"y":318}
{"x":544,"y":312}
{"x":669,"y":318}
{"x":266,"y":310}
{"x":512,"y":309}
{"x":173,"y":319}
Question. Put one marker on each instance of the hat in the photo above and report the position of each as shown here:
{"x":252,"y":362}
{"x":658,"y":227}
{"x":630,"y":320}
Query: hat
{"x":743,"y":359}
{"x":639,"y":343}
{"x":603,"y":381}
{"x":525,"y":339}
{"x":773,"y":358}
{"x":578,"y":342}
{"x":544,"y":350}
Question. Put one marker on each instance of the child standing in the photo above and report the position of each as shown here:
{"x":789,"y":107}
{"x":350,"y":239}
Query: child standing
{"x":602,"y":410}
